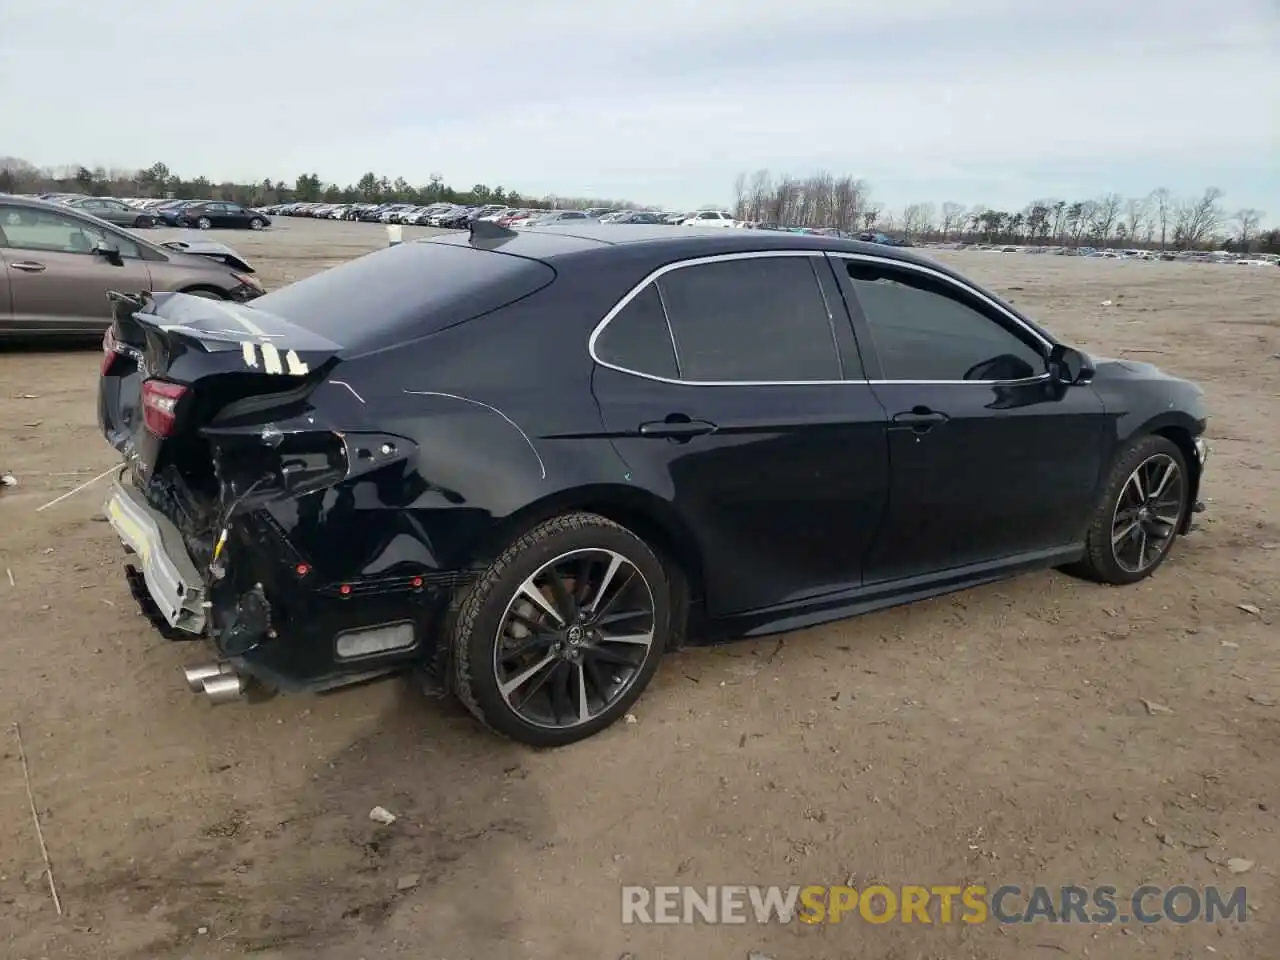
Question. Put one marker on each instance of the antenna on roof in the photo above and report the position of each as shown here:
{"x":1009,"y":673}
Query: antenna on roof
{"x":488,"y":230}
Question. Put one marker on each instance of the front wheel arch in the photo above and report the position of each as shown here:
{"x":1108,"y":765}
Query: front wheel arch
{"x":1100,"y":564}
{"x":1181,"y":438}
{"x":208,"y":293}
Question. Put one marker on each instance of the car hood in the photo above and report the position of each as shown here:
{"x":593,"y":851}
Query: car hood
{"x":209,"y":249}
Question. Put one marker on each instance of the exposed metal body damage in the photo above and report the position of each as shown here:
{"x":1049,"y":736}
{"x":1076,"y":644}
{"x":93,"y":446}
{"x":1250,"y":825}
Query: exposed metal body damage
{"x":211,"y":249}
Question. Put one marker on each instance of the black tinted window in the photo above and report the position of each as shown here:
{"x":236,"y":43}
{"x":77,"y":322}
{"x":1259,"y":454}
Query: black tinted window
{"x":403,"y":292}
{"x":758,"y":318}
{"x":923,"y":331}
{"x":638,"y":339}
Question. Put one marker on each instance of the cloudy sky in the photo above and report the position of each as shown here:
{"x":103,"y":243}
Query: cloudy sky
{"x":663,"y":101}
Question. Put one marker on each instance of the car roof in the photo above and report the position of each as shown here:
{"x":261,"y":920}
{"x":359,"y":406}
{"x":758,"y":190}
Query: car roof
{"x":669,"y":243}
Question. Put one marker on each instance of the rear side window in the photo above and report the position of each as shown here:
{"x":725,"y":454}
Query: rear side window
{"x":759,"y":319}
{"x":404,"y":292}
{"x":637,"y":339}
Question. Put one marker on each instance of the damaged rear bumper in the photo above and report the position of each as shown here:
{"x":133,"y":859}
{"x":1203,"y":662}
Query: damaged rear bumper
{"x":172,"y":582}
{"x":263,"y":608}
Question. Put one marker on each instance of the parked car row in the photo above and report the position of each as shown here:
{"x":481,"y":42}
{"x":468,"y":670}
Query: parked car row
{"x":453,"y":215}
{"x":144,"y":213}
{"x":1108,"y":253}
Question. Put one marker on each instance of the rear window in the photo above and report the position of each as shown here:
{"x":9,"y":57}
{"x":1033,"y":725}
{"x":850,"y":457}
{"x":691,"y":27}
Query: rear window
{"x":404,"y":292}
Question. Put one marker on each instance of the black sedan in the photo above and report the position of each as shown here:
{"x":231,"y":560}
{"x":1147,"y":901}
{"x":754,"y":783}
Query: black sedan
{"x":526,"y":464}
{"x":206,"y":214}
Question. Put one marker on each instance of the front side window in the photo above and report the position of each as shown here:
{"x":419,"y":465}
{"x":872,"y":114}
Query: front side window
{"x":44,"y":230}
{"x":759,"y":319}
{"x":923,"y":329}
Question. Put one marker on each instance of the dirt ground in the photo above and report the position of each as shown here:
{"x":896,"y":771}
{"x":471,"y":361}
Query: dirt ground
{"x":994,"y":736}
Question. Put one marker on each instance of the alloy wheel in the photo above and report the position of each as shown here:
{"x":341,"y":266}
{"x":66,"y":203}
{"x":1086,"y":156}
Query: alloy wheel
{"x":1147,"y":513}
{"x":574,"y":638}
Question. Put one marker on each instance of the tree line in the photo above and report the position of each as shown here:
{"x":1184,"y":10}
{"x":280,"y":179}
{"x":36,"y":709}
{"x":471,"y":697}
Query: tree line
{"x":1156,"y":220}
{"x":160,"y":181}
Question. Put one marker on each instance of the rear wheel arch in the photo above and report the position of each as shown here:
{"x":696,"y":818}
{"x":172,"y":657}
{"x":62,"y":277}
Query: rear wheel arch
{"x":644,"y":514}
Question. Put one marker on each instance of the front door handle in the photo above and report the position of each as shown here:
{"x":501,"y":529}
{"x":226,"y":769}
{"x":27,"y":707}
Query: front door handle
{"x":919,"y":420}
{"x":678,"y":427}
{"x":29,"y":266}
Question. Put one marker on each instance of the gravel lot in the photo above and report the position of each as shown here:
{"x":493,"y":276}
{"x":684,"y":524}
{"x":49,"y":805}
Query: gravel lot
{"x":996,"y":736}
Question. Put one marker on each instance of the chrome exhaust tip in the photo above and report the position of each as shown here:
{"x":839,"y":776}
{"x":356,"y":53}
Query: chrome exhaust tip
{"x":196,"y":676}
{"x":225,"y":687}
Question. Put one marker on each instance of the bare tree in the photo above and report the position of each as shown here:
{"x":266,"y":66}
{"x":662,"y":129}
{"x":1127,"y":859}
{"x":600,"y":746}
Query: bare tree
{"x":781,"y":207}
{"x":1105,"y":212}
{"x":1135,"y":216}
{"x":1247,"y":222}
{"x":761,"y":191}
{"x":976,"y":213}
{"x":917,"y":219}
{"x":1079,"y":217}
{"x":740,"y":211}
{"x":952,"y":217}
{"x":1198,"y":218}
{"x":849,"y":196}
{"x":1059,"y":220}
{"x":1160,"y":197}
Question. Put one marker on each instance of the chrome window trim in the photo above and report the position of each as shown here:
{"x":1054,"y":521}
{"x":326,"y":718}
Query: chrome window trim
{"x":654,"y":275}
{"x":958,"y":285}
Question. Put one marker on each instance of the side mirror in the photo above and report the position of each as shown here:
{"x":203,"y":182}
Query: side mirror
{"x":109,"y":253}
{"x":1068,"y":365}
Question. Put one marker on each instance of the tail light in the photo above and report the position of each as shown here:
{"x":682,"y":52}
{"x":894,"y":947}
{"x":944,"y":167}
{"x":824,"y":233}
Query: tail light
{"x":109,"y":353}
{"x":159,"y":403}
{"x":250,"y":282}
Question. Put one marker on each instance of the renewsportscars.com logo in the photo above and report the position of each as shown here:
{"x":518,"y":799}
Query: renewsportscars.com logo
{"x":941,"y":904}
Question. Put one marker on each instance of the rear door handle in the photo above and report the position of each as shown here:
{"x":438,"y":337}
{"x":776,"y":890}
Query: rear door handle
{"x":919,"y":420}
{"x":678,"y":427}
{"x":29,"y":266}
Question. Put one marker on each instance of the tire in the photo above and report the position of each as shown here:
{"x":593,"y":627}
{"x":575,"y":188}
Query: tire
{"x":256,"y":224}
{"x":205,"y":294}
{"x":1105,"y":563}
{"x":144,"y":223}
{"x":483,"y":618}
{"x":204,"y":223}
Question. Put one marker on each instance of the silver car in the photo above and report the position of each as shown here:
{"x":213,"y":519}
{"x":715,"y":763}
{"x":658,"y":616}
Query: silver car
{"x":57,"y":265}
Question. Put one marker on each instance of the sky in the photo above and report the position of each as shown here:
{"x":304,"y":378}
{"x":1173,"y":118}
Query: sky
{"x":998,"y":102}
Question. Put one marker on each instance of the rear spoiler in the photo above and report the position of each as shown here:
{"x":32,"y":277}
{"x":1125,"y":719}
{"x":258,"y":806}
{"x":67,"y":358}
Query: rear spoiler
{"x":267,"y":343}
